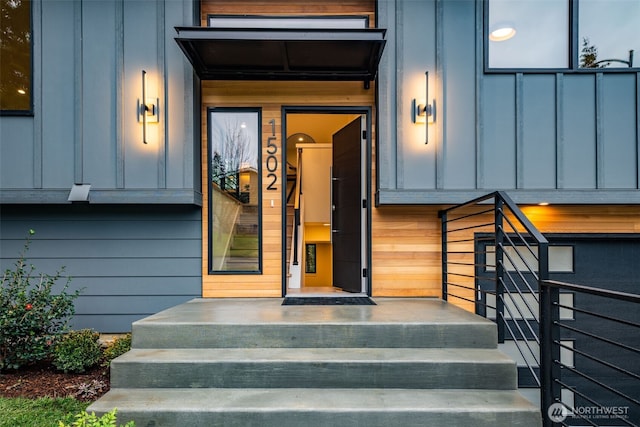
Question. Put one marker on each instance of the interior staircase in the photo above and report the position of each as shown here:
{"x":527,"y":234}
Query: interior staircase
{"x":254,"y":362}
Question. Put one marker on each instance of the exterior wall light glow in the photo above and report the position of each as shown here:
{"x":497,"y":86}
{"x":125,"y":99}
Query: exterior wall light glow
{"x":147,"y":108}
{"x":502,"y":31}
{"x":423,"y":111}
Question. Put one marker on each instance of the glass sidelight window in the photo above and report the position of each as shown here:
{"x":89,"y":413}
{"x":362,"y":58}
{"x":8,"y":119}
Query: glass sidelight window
{"x":15,"y":51}
{"x":234,"y":190}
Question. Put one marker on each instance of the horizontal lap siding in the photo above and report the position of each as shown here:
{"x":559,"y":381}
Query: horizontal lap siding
{"x":129,"y":262}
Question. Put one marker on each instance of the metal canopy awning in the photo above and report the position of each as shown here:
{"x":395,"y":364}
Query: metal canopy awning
{"x":282,"y":54}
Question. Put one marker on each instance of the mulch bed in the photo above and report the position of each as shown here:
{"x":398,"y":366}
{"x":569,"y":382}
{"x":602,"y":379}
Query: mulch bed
{"x":44,"y":380}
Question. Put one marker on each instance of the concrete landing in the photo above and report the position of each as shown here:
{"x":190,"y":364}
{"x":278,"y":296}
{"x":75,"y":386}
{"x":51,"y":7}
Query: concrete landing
{"x":393,"y":322}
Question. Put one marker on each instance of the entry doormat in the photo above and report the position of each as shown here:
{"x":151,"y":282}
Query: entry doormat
{"x":329,"y":301}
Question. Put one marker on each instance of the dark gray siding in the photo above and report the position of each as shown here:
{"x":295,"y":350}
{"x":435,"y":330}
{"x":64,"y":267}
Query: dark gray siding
{"x":130,"y":261}
{"x":552,"y":136}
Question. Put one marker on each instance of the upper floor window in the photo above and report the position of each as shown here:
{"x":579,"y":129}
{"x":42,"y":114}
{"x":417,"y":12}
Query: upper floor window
{"x":562,"y":34}
{"x":15,"y":51}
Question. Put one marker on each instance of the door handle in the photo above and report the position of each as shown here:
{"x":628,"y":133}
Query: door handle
{"x":332,"y":207}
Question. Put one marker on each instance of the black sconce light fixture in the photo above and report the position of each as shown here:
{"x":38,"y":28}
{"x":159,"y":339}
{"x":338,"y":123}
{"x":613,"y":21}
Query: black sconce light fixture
{"x":424,"y":111}
{"x":147,"y":108}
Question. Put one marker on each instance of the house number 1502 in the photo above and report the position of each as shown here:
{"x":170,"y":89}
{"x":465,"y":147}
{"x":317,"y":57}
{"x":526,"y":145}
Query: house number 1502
{"x":272,"y":160}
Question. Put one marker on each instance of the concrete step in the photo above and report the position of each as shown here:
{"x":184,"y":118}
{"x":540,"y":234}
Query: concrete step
{"x":315,"y":368}
{"x":319,"y":407}
{"x":265,"y":323}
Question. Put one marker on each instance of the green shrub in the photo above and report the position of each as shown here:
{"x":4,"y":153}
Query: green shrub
{"x":32,"y":317}
{"x":119,"y":346}
{"x":84,"y":419}
{"x":77,"y":351}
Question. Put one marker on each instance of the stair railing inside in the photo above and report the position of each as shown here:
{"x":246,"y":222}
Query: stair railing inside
{"x":295,"y":272}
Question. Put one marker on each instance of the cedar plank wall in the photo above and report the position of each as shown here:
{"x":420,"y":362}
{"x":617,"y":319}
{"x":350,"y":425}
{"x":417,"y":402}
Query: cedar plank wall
{"x":271,"y":96}
{"x":288,"y":7}
{"x":548,"y":219}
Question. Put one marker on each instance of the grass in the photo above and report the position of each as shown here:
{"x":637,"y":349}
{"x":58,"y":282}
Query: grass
{"x":42,"y":412}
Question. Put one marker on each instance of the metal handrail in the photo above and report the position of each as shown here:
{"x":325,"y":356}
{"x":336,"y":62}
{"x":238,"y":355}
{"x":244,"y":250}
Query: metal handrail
{"x":516,"y":286}
{"x":620,"y":377}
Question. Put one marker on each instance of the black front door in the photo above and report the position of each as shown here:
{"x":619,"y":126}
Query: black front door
{"x":347,"y":207}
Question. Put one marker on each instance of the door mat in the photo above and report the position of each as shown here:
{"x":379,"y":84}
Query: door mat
{"x":329,"y":301}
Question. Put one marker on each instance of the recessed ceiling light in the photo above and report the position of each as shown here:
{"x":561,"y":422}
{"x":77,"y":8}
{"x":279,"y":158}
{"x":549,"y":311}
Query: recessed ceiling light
{"x":543,"y":204}
{"x":502,"y":32}
{"x":22,"y":91}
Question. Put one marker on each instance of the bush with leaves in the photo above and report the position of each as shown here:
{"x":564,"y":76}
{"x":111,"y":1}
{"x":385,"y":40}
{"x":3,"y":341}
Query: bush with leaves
{"x":84,"y":419}
{"x":32,"y":317}
{"x":120,"y":345}
{"x":77,"y":350}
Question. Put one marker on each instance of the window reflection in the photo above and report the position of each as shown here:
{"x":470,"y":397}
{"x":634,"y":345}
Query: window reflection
{"x":608,"y":30}
{"x":535,"y":34}
{"x":15,"y":54}
{"x":540,"y":38}
{"x":234,"y":190}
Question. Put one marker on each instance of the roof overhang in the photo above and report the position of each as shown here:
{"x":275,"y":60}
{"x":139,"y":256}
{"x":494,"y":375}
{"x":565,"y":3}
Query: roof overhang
{"x":282,"y":54}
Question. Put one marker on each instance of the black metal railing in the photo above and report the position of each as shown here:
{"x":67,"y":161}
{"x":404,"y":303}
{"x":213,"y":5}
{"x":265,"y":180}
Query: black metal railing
{"x":600,"y":336}
{"x":495,"y":262}
{"x":230,"y":184}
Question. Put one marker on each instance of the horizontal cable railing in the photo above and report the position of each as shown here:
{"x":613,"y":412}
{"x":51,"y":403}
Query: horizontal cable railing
{"x":496,"y":263}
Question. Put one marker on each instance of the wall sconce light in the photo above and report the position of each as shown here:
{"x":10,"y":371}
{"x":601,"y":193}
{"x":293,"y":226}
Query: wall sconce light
{"x":147,"y":108}
{"x":423,"y":111}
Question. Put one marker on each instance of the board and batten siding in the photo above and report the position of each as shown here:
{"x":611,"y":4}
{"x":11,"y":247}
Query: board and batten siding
{"x":561,"y":137}
{"x":129,"y":262}
{"x":88,"y":57}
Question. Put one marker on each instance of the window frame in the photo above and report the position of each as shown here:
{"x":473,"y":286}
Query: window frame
{"x":574,"y":49}
{"x":210,"y":112}
{"x":30,"y":111}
